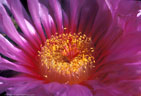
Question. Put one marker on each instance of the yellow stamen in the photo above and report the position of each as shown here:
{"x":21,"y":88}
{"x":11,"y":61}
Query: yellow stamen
{"x":67,"y":58}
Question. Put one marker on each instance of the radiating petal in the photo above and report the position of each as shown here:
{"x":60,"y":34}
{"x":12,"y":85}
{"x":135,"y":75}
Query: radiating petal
{"x":11,"y":31}
{"x":79,"y":90}
{"x":18,"y":12}
{"x":8,"y":84}
{"x":56,"y":12}
{"x":55,"y":88}
{"x":36,"y":17}
{"x":45,"y":20}
{"x":7,"y":48}
{"x":112,"y":5}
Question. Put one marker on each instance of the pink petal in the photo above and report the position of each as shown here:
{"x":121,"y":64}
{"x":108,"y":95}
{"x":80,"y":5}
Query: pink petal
{"x":78,"y":90}
{"x":18,"y":12}
{"x":56,"y":13}
{"x":8,"y":84}
{"x":11,"y":31}
{"x":35,"y":17}
{"x":45,"y":20}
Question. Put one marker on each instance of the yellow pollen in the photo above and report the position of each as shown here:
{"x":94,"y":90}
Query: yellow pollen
{"x":65,"y":28}
{"x":67,"y":58}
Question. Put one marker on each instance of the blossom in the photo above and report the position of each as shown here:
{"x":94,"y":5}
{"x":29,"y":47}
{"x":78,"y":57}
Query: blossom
{"x":71,"y":47}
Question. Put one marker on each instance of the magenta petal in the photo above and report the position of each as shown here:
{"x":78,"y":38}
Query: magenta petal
{"x":112,"y":5}
{"x":8,"y":26}
{"x":100,"y":89}
{"x":102,"y":22}
{"x":87,"y":16}
{"x":35,"y":16}
{"x":10,"y":30}
{"x":78,"y":90}
{"x":72,"y":9}
{"x":74,"y":13}
{"x":125,"y":49}
{"x":65,"y":21}
{"x":26,"y":87}
{"x":38,"y":90}
{"x":131,"y":7}
{"x":45,"y":20}
{"x":5,"y":65}
{"x":8,"y":49}
{"x":67,"y":90}
{"x":55,"y":88}
{"x":10,"y":84}
{"x":130,"y":87}
{"x":124,"y":88}
{"x":127,"y":16}
{"x":18,"y":12}
{"x":56,"y":13}
{"x":4,"y":2}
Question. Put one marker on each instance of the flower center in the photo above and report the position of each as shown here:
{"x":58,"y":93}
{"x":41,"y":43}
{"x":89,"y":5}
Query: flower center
{"x":67,"y":58}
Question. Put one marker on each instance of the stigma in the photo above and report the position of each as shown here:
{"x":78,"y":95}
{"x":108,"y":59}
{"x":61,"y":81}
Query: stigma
{"x":67,"y":58}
